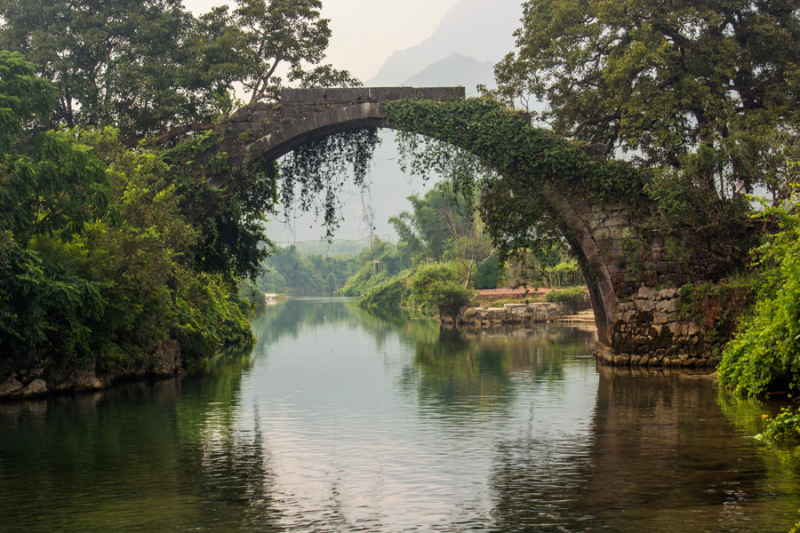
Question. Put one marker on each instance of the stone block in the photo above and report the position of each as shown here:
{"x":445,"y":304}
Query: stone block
{"x":645,"y":293}
{"x":667,"y":306}
{"x":661,"y":318}
{"x":10,"y":386}
{"x":617,"y":220}
{"x":260,"y":116}
{"x":668,"y":293}
{"x":622,"y":360}
{"x":646,"y":306}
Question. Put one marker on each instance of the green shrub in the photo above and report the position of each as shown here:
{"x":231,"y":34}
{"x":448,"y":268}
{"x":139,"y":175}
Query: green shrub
{"x":387,"y":295}
{"x":572,"y":297}
{"x":766,"y":351}
{"x":785,"y":426}
{"x":487,"y":275}
{"x":437,"y":286}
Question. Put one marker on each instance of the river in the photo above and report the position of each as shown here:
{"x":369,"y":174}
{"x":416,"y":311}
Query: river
{"x":344,"y":421}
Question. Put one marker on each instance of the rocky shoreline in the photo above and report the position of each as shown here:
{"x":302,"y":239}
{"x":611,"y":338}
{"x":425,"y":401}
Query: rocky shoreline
{"x":36,"y":378}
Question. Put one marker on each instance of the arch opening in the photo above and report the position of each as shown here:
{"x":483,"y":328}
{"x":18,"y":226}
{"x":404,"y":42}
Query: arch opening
{"x":308,"y":116}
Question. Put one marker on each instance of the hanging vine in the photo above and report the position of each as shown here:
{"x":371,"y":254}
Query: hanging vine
{"x":314,"y":175}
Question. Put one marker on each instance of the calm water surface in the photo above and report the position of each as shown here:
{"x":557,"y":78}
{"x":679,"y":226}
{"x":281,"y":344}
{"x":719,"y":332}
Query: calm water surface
{"x":341,"y":420}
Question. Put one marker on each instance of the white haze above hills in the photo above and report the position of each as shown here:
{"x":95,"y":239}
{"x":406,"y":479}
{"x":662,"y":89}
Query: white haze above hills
{"x":472,"y":37}
{"x":480,"y":29}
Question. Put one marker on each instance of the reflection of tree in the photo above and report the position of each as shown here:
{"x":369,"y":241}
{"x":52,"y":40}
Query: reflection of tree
{"x":296,"y":316}
{"x":663,"y":457}
{"x":459,"y":371}
{"x":159,"y":456}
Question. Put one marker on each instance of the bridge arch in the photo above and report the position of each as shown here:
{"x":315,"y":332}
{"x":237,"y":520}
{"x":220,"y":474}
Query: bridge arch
{"x":308,"y":115}
{"x":599,"y":230}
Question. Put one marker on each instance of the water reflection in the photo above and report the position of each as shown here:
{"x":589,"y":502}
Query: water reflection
{"x":661,"y":457}
{"x":344,"y":420}
{"x":162,"y":456}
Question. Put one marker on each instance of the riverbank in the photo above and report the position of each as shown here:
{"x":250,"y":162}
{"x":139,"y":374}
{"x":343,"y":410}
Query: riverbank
{"x":32,"y":378}
{"x":519,"y":314}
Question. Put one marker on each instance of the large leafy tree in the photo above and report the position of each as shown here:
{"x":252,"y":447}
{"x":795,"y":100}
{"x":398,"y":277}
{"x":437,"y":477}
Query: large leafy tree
{"x":716,"y":79}
{"x":149,"y":66}
{"x":285,"y":37}
{"x":435,"y":219}
{"x":140,"y":65}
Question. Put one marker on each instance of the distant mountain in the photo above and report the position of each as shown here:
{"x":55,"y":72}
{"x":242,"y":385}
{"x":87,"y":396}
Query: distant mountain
{"x":455,"y":70}
{"x":481,"y":29}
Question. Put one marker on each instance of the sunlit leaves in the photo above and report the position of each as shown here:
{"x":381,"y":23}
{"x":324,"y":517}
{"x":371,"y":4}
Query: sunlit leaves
{"x":767,"y":349}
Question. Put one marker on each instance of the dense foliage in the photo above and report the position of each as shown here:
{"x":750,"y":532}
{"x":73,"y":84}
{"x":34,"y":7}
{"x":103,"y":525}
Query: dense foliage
{"x":520,"y":162}
{"x":145,"y":66}
{"x":380,"y":262}
{"x":711,"y":85}
{"x":107,"y":289}
{"x":766,"y":352}
{"x":438,"y":286}
{"x":573,"y":298}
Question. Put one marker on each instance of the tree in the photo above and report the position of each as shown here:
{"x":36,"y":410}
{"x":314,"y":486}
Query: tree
{"x":23,"y":96}
{"x":715,"y":81}
{"x":52,"y":184}
{"x":140,"y":65}
{"x":286,"y":33}
{"x":766,"y":351}
{"x":435,"y":218}
{"x":438,"y":286}
{"x":149,"y":66}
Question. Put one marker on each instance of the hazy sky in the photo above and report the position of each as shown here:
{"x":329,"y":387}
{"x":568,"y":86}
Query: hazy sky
{"x":366,"y":32}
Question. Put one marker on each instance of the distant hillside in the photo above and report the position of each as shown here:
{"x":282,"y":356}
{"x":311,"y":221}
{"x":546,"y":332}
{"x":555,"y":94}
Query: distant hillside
{"x":481,"y":29}
{"x":455,"y":70}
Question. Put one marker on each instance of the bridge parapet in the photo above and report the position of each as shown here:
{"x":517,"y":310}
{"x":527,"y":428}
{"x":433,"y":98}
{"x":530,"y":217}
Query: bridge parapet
{"x":359,"y":95}
{"x":299,"y":104}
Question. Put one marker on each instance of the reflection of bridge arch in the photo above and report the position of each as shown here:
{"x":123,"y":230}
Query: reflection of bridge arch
{"x":597,"y":233}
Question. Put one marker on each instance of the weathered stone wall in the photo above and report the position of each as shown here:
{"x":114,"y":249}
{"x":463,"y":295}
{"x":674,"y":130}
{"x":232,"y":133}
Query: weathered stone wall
{"x":47,"y":376}
{"x":649,"y":331}
{"x":260,"y":119}
{"x":637,"y":325}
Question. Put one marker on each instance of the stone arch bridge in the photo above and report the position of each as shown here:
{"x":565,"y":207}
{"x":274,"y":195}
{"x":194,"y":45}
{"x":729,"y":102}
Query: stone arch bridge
{"x":637,"y":325}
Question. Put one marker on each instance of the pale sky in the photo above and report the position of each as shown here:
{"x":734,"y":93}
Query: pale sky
{"x":366,"y":32}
